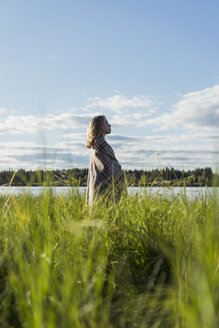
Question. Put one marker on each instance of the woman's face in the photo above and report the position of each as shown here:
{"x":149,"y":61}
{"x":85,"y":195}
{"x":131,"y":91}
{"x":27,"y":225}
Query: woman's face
{"x":106,"y":127}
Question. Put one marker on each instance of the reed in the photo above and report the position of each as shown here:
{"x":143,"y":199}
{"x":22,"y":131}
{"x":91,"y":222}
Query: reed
{"x":142,"y":262}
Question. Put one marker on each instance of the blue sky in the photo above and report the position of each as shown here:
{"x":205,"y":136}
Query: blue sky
{"x":150,"y":66}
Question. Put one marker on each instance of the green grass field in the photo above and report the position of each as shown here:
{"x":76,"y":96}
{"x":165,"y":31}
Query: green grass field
{"x":143,"y":262}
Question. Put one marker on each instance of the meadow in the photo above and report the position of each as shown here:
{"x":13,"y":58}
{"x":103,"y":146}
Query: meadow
{"x":145,"y":261}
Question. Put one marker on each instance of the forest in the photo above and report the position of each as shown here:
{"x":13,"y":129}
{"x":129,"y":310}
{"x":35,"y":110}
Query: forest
{"x":78,"y":177}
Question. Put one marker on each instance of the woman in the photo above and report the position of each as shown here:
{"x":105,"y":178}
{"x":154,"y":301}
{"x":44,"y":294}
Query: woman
{"x":105,"y":174}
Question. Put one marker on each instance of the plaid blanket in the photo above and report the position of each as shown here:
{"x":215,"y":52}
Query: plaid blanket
{"x":105,"y":173}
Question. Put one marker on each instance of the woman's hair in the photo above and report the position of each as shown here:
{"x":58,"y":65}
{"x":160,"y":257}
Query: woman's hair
{"x":94,"y":130}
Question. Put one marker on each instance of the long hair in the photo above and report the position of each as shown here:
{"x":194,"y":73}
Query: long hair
{"x":94,"y":130}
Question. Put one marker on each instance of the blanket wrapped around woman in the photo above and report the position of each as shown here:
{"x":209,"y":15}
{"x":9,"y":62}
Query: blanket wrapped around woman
{"x":105,"y":174}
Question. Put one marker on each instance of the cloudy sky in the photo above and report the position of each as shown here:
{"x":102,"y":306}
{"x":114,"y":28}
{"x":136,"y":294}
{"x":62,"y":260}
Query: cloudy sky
{"x":150,"y":66}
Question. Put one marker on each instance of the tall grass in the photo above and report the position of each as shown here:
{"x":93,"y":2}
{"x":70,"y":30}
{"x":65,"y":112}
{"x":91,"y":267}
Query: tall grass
{"x":143,"y":262}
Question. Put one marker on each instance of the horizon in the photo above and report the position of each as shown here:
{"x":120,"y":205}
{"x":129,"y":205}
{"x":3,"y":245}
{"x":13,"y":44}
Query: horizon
{"x":150,"y":68}
{"x":86,"y":168}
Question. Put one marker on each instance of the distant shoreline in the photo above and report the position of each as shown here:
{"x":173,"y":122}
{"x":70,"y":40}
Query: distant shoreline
{"x":166,"y":177}
{"x":140,"y":186}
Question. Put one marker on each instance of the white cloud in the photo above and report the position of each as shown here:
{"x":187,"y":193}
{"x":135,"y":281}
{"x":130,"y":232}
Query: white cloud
{"x":30,"y":155}
{"x":194,"y":145}
{"x":132,"y":151}
{"x":196,"y":110}
{"x":23,"y":124}
{"x":74,"y":136}
{"x":2,"y":110}
{"x":51,"y":56}
{"x":118,"y":103}
{"x":123,"y":111}
{"x":180,"y":151}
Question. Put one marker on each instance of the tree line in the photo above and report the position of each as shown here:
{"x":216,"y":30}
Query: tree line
{"x":78,"y":177}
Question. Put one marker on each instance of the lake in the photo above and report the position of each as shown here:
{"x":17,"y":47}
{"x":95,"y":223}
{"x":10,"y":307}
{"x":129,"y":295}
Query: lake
{"x":191,"y":192}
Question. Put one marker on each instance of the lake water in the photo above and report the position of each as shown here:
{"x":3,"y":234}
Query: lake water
{"x":191,"y":192}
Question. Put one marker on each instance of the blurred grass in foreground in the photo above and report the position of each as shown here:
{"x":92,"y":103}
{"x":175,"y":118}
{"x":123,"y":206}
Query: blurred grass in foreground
{"x":143,"y":262}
